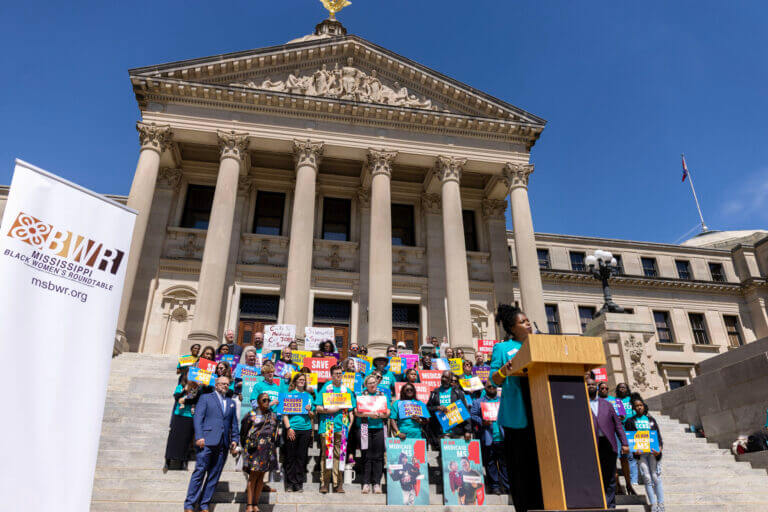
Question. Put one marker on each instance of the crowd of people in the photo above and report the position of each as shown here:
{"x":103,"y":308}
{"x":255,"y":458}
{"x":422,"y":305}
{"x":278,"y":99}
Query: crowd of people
{"x":228,"y":416}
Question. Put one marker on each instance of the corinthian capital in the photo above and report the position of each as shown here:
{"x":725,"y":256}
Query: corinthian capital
{"x":517,"y":174}
{"x":431,"y":203}
{"x":244,"y":185}
{"x":152,"y":136}
{"x":494,"y":208}
{"x":306,"y":152}
{"x":232,"y":145}
{"x":169,"y":178}
{"x":380,"y":161}
{"x":449,"y":168}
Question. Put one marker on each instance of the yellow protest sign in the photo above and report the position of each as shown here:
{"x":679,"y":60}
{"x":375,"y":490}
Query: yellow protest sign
{"x":297,"y":356}
{"x":341,"y":400}
{"x":456,"y":366}
{"x":187,"y":360}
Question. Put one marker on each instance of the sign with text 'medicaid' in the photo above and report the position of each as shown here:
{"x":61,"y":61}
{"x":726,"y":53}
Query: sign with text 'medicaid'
{"x":431,"y":378}
{"x":63,"y":260}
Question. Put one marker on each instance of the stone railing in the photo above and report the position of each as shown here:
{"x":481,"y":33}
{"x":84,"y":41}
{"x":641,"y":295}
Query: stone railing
{"x":184,"y":243}
{"x":263,"y":250}
{"x":409,"y":260}
{"x":479,"y":266}
{"x":336,"y":255}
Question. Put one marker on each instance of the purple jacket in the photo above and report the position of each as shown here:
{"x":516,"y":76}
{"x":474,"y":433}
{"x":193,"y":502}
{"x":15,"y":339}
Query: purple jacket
{"x":608,"y":422}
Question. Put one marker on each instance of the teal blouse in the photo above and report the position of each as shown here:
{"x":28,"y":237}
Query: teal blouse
{"x":512,"y":413}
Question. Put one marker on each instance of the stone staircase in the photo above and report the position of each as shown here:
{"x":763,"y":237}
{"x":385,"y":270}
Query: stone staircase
{"x":130,"y":477}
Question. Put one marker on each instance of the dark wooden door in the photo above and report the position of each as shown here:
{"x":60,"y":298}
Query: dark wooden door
{"x":341,"y":337}
{"x":247,"y":329}
{"x":408,"y":336}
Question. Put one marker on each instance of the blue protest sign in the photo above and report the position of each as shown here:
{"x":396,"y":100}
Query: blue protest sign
{"x":293,"y":403}
{"x":455,"y":414}
{"x":643,"y":441}
{"x":408,"y":408}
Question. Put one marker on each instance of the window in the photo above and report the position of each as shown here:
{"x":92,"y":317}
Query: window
{"x":470,"y":233}
{"x":553,"y":319}
{"x":663,"y":331}
{"x":577,"y":261}
{"x":543,"y":255}
{"x":586,"y":314}
{"x":619,"y":265}
{"x":676,"y":383}
{"x":268,"y":219}
{"x":683,"y":269}
{"x":732,"y":329}
{"x":402,"y":225}
{"x":716,"y":269}
{"x":699,"y":327}
{"x":197,"y":207}
{"x":649,"y":267}
{"x":336,"y":218}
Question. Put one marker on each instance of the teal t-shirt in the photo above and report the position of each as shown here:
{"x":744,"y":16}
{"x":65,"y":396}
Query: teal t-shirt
{"x":299,"y":421}
{"x":337,"y":418}
{"x":766,"y":418}
{"x":628,"y":408}
{"x":407,"y":426}
{"x":445,"y":397}
{"x":372,"y":422}
{"x":512,"y":412}
{"x":642,"y":423}
{"x":388,"y":380}
{"x":179,"y":411}
{"x":270,"y":388}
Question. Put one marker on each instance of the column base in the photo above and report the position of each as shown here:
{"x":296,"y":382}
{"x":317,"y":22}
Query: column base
{"x":203,"y":337}
{"x":120,"y":344}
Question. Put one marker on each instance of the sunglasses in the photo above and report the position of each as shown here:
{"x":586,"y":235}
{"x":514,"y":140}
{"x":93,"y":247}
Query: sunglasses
{"x":264,"y":401}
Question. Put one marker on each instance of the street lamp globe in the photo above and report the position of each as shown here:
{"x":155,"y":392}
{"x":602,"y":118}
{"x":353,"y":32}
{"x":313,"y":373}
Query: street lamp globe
{"x":602,"y":265}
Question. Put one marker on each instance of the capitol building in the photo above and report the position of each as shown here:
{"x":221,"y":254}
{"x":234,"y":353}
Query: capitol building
{"x":331,"y":182}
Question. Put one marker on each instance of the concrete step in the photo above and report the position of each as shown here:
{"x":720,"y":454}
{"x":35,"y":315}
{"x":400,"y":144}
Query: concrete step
{"x":319,"y":506}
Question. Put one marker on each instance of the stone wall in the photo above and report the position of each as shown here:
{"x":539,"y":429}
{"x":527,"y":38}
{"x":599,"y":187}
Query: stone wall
{"x":728,"y":398}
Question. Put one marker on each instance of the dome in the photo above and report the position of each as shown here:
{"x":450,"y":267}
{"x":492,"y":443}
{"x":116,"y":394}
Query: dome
{"x":725,"y":239}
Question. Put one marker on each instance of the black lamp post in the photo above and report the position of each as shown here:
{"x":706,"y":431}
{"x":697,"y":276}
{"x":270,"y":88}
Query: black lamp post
{"x":602,"y":265}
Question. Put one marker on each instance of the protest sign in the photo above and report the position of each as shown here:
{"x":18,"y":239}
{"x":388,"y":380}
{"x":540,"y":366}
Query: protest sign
{"x":409,"y":360}
{"x":601,"y":374}
{"x":396,"y":365}
{"x":313,"y":336}
{"x":407,"y":477}
{"x":457,"y":366}
{"x":490,"y":410}
{"x":295,"y":403}
{"x":618,"y":406}
{"x":431,"y":378}
{"x":455,"y":414}
{"x":231,"y":359}
{"x":297,"y":356}
{"x":643,"y":441}
{"x":187,"y":360}
{"x":201,"y":377}
{"x":483,"y":372}
{"x":246,"y":391}
{"x":486,"y":346}
{"x":422,"y":390}
{"x":282,"y":368}
{"x":340,"y":400}
{"x":462,"y":472}
{"x":441,"y":363}
{"x":353,"y":381}
{"x":206,"y":365}
{"x":242,"y":371}
{"x":278,"y":336}
{"x":471,"y":384}
{"x":361,"y":365}
{"x":408,"y":408}
{"x":311,"y":380}
{"x":372,"y":404}
{"x":386,"y":391}
{"x":321,"y":366}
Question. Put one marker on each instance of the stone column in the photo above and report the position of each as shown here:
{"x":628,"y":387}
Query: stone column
{"x":154,"y":139}
{"x":364,"y":205}
{"x":496,"y":227}
{"x":245,"y":186}
{"x":213,"y":270}
{"x":457,"y":275}
{"x":531,"y":291}
{"x":380,"y":252}
{"x":431,"y":209}
{"x":307,"y":155}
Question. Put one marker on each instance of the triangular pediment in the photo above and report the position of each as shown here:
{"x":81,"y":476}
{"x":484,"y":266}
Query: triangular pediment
{"x":347,"y":71}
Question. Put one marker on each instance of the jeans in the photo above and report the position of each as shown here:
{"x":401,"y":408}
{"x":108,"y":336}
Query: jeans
{"x":495,"y":466}
{"x":650,"y":476}
{"x":632,"y":468}
{"x":210,"y":460}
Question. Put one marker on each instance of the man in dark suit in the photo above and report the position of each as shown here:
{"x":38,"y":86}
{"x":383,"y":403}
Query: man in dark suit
{"x":608,"y":429}
{"x":216,"y":431}
{"x":234,"y":348}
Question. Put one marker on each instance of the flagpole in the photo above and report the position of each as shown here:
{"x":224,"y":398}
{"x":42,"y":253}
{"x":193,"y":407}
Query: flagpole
{"x":690,"y":180}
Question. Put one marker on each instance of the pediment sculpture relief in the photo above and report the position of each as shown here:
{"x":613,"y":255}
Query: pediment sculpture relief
{"x":346,"y":83}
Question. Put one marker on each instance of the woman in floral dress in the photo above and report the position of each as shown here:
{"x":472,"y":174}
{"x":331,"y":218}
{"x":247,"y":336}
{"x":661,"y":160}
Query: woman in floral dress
{"x":260,"y":448}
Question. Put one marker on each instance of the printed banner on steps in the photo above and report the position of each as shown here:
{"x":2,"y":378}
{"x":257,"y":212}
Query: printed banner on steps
{"x":407,"y":477}
{"x":63,"y":259}
{"x":462,"y":472}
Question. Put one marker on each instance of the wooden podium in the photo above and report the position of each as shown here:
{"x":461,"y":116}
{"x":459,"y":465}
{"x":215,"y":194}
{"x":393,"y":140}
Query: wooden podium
{"x":565,"y":439}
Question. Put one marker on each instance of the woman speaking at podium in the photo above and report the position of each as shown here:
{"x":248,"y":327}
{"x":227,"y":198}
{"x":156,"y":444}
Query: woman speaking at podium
{"x":514,"y":412}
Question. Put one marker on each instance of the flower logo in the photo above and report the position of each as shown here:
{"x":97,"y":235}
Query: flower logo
{"x":30,"y":230}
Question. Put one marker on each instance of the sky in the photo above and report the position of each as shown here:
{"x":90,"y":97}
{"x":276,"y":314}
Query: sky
{"x":625,"y":87}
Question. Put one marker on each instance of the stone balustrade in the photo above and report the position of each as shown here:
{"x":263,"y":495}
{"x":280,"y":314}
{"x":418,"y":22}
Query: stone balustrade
{"x":184,"y":243}
{"x":409,"y":260}
{"x":336,"y":255}
{"x":263,"y":250}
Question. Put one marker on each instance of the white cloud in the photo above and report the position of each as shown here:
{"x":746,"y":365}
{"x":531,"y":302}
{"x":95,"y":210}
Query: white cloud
{"x":747,"y":198}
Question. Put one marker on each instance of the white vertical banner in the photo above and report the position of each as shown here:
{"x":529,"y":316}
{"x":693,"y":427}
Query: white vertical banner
{"x":63,"y":255}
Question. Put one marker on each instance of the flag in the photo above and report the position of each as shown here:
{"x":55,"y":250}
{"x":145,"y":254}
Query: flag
{"x":685,"y":169}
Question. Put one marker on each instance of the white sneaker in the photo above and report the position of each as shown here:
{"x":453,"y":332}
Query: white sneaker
{"x":377,"y":489}
{"x":366,"y":489}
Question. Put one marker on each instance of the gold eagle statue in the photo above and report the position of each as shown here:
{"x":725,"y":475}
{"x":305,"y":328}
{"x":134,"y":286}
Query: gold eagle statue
{"x":334,"y":6}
